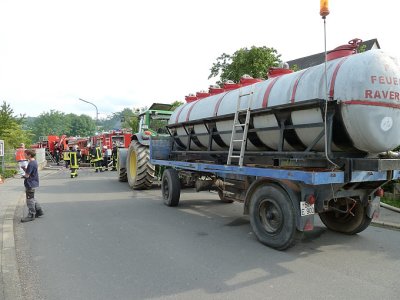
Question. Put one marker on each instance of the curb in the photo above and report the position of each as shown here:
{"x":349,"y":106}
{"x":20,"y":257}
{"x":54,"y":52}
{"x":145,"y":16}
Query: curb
{"x":9,"y":268}
{"x":392,"y":208}
{"x":12,"y":288}
{"x":386,"y":224}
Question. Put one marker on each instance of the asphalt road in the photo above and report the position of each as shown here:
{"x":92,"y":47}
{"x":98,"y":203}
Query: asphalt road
{"x":101,"y":240}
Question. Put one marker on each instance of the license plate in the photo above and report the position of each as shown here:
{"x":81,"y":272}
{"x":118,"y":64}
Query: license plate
{"x":306,"y":208}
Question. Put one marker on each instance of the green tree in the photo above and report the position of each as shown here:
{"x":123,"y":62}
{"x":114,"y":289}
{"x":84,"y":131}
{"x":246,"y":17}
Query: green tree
{"x":129,"y":119}
{"x":254,"y":61}
{"x":82,"y":125}
{"x":58,"y":123}
{"x":50,"y":123}
{"x":177,"y":103}
{"x":11,"y":128}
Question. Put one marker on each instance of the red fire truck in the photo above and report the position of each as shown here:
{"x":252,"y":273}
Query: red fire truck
{"x":121,"y":138}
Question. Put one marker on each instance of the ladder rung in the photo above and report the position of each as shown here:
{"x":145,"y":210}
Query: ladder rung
{"x":242,"y":110}
{"x":238,"y":140}
{"x":239,"y":125}
{"x":234,"y":156}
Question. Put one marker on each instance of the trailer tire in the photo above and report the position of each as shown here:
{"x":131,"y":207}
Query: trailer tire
{"x":121,"y":165}
{"x":345,"y":222}
{"x":140,"y":172}
{"x":273,"y":217}
{"x":171,"y":187}
{"x":224,"y":199}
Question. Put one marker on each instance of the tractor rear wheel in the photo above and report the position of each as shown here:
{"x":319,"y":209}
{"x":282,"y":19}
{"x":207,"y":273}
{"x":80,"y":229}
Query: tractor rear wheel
{"x":140,"y":172}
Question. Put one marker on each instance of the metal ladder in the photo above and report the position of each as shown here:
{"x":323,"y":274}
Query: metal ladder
{"x":244,"y":126}
{"x":48,"y":156}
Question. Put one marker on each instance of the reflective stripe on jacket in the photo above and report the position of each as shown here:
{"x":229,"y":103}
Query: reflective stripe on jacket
{"x":66,"y":155}
{"x":96,"y":154}
{"x":74,"y":160}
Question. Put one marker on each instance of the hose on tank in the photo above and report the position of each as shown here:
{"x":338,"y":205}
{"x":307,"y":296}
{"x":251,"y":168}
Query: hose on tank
{"x":326,"y":103}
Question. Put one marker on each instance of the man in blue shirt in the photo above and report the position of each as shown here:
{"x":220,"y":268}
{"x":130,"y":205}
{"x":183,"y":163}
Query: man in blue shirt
{"x":31,"y":182}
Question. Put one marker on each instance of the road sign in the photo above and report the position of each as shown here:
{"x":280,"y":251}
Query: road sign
{"x":1,"y":148}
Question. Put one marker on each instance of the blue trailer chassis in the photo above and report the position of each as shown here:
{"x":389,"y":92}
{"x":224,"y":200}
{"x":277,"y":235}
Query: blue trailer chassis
{"x":282,"y":202}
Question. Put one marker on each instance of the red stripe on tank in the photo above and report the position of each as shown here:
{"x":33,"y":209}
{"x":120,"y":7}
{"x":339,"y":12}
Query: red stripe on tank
{"x":179,"y":113}
{"x":372,"y":103}
{"x":333,"y":80}
{"x":218,"y":103}
{"x":295,"y":86}
{"x":268,"y":91}
{"x":190,"y":110}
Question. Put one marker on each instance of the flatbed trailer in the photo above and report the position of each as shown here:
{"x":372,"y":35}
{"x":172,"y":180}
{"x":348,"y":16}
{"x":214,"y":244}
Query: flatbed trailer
{"x":282,"y":201}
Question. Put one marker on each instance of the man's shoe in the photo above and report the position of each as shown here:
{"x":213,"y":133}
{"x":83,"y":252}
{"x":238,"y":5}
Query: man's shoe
{"x":39,"y":213}
{"x":28,"y":218}
{"x":97,"y":171}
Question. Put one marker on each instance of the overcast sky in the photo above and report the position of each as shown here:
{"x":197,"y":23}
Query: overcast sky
{"x":128,"y":53}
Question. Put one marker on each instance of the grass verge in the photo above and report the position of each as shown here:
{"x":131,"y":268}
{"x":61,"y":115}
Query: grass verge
{"x":392,"y":202}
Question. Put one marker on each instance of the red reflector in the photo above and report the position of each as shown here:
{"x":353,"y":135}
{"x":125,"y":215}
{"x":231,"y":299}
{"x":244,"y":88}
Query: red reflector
{"x":379,"y":192}
{"x":308,"y":226}
{"x":311,"y":199}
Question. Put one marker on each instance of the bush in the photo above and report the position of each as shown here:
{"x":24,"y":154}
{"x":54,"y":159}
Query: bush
{"x":7,"y":173}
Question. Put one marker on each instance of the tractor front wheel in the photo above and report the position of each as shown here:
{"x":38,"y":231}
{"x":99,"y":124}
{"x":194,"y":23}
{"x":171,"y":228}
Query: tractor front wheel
{"x":140,"y":172}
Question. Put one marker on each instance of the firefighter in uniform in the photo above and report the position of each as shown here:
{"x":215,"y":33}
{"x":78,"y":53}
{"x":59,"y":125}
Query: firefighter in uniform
{"x":96,"y":158}
{"x":66,"y":156}
{"x":74,"y":165}
{"x":106,"y":157}
{"x":114,"y":156}
{"x":56,"y":153}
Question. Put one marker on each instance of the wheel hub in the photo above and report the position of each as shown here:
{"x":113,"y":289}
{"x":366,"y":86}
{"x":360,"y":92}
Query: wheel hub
{"x":271,"y":216}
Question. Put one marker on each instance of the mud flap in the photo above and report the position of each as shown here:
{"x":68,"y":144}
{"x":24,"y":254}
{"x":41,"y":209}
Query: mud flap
{"x":373,"y":208}
{"x":305,"y":223}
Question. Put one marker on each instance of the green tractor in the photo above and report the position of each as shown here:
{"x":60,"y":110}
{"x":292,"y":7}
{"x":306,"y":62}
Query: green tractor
{"x":134,"y":162}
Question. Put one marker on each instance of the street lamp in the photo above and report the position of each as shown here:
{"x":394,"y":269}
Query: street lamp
{"x":97,"y":112}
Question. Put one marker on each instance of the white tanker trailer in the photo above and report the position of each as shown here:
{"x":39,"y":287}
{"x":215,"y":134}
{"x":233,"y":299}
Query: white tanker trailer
{"x":365,"y":87}
{"x":295,"y":145}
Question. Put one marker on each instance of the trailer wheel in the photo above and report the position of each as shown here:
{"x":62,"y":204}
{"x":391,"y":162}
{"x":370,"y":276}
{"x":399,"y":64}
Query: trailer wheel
{"x":223,"y":199}
{"x":273,"y":218}
{"x":347,"y":223}
{"x":171,"y":187}
{"x":140,"y":172}
{"x":121,"y":165}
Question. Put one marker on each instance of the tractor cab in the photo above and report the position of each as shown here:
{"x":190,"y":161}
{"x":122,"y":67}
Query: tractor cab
{"x":154,"y":120}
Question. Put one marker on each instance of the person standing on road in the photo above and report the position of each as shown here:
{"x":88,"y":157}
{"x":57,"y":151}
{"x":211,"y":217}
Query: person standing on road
{"x":114,"y":155}
{"x":73,"y":156}
{"x":106,"y":157}
{"x":66,"y":156}
{"x":96,"y":158}
{"x":31,"y":182}
{"x":21,"y":159}
{"x":56,"y":153}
